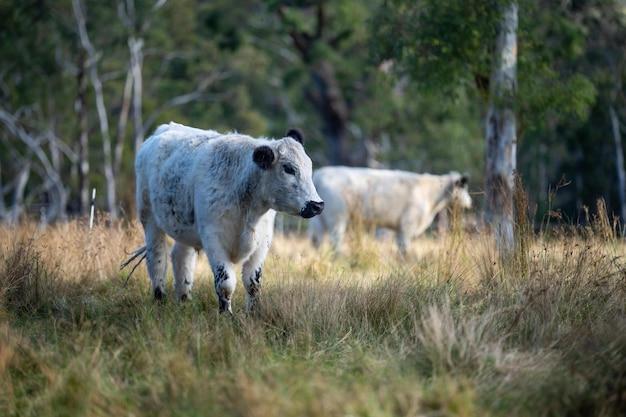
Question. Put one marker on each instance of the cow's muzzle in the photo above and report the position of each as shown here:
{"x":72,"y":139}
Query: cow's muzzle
{"x":312,"y":208}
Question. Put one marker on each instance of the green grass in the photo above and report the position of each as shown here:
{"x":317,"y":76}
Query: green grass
{"x":447,"y":332}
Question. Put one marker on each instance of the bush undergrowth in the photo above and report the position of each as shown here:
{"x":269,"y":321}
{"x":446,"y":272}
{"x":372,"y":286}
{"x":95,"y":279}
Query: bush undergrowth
{"x":449,"y":330}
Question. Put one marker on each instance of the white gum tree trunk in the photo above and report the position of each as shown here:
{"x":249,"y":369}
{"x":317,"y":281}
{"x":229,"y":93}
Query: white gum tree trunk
{"x":500,"y":133}
{"x":83,"y":140}
{"x":93,"y":56}
{"x":136,"y":62}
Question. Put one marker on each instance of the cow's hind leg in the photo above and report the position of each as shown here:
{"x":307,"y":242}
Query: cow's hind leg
{"x":156,"y":258}
{"x":252,"y":274}
{"x":337,"y":232}
{"x":184,"y":264}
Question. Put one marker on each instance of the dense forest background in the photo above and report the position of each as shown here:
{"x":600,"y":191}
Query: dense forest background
{"x":397,"y":83}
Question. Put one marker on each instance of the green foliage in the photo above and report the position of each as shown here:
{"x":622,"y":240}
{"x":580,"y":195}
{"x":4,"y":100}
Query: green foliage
{"x":414,"y":77}
{"x":442,"y":44}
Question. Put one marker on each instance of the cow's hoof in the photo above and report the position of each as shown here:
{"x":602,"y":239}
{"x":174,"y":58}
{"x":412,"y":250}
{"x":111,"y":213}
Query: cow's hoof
{"x":184,"y":298}
{"x":225,"y":307}
{"x":158,"y":295}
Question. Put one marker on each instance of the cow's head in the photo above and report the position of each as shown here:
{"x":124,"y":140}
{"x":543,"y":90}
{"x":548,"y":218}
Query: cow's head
{"x":460,"y":194}
{"x":287,"y":177}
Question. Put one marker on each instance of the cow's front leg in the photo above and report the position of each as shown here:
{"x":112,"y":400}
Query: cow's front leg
{"x":222,"y":267}
{"x":225,"y":283}
{"x":223,"y":274}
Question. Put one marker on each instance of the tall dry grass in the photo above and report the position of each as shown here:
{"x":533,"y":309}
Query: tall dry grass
{"x":450,"y":329}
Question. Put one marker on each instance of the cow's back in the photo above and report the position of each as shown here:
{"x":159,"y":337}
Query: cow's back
{"x":164,"y":169}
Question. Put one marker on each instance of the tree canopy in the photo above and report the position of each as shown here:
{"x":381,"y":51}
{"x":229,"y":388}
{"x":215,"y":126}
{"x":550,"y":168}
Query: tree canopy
{"x":393,"y":83}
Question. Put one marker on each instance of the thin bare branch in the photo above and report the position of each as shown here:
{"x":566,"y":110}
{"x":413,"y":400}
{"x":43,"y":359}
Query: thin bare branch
{"x":158,"y":5}
{"x":138,"y":253}
{"x":34,"y":145}
{"x":186,"y":98}
{"x":93,"y":58}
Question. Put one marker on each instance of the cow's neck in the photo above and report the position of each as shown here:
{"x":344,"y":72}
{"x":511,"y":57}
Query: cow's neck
{"x":442,"y":196}
{"x":248,"y":194}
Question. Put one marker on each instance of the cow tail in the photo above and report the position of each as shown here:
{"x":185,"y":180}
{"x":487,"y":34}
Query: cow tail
{"x":137,"y":253}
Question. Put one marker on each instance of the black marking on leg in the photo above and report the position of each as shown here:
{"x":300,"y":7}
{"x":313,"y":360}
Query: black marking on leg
{"x":220,"y":276}
{"x":255,"y":283}
{"x":184,"y":298}
{"x":253,"y":289}
{"x":224,"y":305}
{"x":158,"y":294}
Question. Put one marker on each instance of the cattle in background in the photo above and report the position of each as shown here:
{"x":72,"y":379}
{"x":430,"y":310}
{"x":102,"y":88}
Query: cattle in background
{"x":218,"y":192}
{"x":402,"y":201}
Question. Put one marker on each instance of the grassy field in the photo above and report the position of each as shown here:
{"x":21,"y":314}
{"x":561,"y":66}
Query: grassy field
{"x":448,"y":331}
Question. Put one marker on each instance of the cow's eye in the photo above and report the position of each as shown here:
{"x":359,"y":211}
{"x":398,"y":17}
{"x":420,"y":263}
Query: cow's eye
{"x":289,"y":169}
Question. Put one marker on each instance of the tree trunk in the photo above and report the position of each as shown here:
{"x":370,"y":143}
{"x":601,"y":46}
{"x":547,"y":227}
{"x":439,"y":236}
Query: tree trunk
{"x":328,"y":99}
{"x":83,"y":141}
{"x":136,"y":61}
{"x":619,"y":163}
{"x":109,"y":175}
{"x":500,"y":134}
{"x":122,"y":122}
{"x":325,"y":92}
{"x":18,"y":195}
{"x":57,"y":210}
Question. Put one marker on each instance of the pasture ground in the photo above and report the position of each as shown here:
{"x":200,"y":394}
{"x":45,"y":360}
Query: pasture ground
{"x":449,"y":331}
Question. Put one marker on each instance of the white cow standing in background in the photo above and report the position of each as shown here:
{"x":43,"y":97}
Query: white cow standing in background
{"x":218,"y":192}
{"x":403,"y":201}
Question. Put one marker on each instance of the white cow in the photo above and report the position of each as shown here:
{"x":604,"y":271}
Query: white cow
{"x":218,"y":192}
{"x":403,"y":201}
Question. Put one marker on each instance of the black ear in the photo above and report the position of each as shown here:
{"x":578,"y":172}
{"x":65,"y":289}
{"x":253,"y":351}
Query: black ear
{"x":296,"y":134}
{"x":462,"y":182}
{"x":264,"y":156}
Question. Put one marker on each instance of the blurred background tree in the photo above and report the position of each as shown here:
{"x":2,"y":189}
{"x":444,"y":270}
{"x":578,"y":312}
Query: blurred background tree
{"x":396,"y":83}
